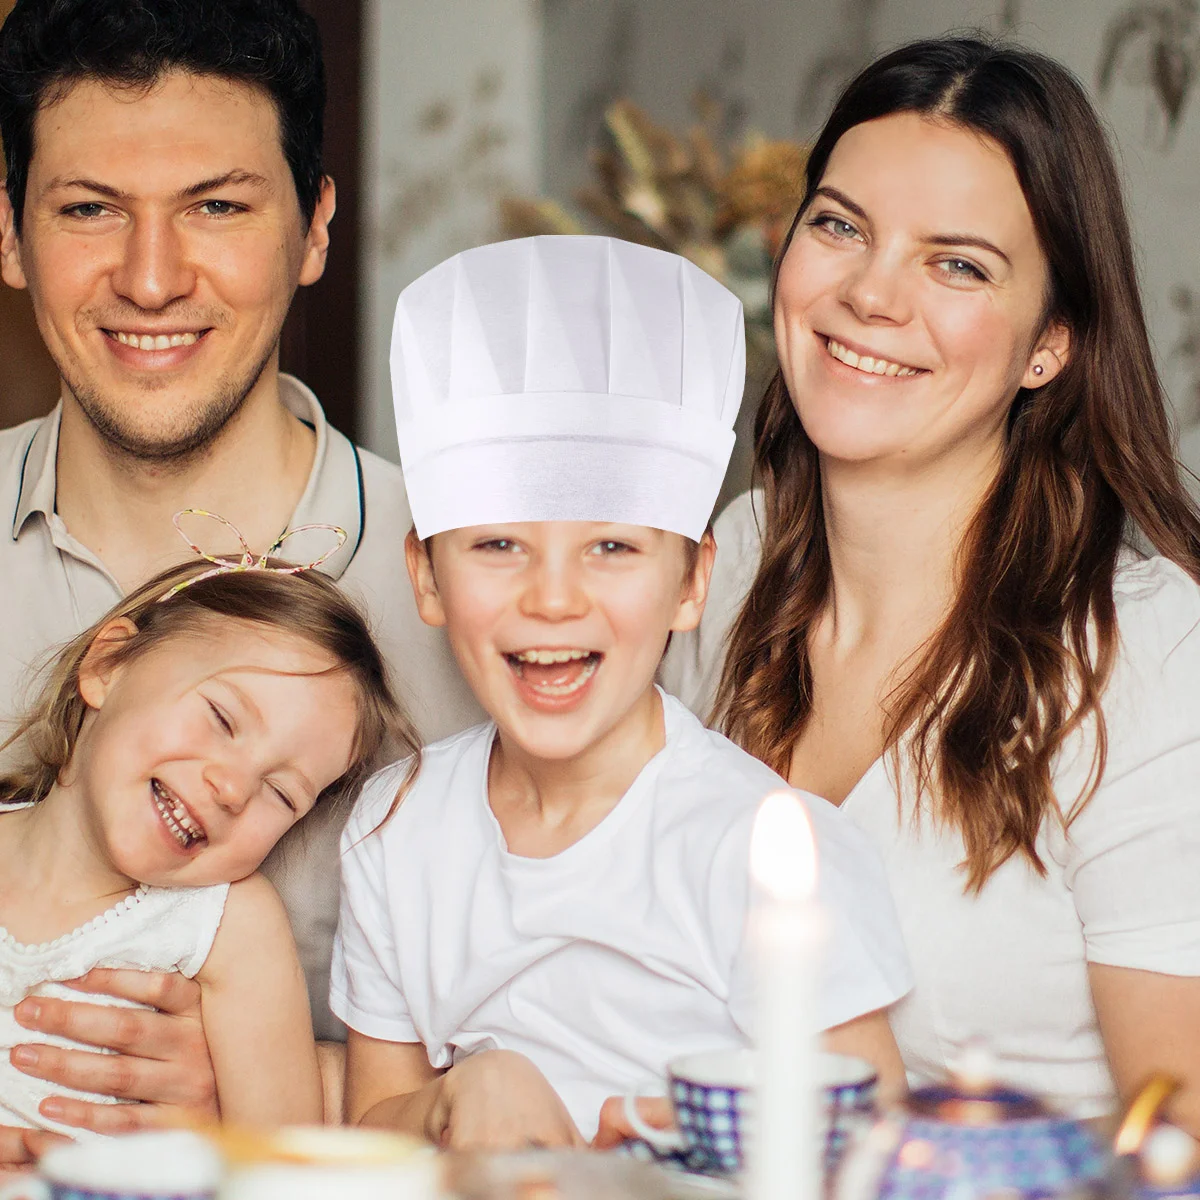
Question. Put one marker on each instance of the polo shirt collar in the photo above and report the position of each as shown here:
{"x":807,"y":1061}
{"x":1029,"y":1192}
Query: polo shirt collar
{"x":333,"y":494}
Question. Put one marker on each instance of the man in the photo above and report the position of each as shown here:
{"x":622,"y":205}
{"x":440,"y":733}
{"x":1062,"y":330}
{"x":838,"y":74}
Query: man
{"x":164,"y":198}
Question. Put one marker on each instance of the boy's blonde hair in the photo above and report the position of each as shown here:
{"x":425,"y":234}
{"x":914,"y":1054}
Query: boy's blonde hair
{"x":307,"y":606}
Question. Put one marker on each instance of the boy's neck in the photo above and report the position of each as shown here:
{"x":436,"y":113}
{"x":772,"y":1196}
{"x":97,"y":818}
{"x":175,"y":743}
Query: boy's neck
{"x":544,"y":806}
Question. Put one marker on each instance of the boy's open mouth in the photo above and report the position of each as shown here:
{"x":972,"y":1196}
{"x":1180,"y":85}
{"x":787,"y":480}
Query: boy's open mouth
{"x":180,"y":823}
{"x":559,"y":672}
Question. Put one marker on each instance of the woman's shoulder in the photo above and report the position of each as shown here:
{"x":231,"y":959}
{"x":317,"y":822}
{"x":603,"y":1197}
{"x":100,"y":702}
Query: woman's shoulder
{"x":1158,"y":611}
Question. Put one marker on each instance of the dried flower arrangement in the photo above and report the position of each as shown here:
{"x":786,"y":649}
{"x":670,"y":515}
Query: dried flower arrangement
{"x":724,"y":208}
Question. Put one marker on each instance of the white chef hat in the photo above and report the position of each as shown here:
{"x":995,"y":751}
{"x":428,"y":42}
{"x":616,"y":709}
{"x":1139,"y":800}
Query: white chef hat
{"x":566,"y":379}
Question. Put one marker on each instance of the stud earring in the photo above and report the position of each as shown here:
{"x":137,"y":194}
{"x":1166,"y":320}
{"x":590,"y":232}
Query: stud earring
{"x":1038,"y":369}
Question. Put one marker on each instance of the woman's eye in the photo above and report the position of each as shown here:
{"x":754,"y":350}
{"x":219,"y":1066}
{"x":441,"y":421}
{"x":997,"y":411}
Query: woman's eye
{"x":835,"y":226}
{"x":221,"y":718}
{"x":962,"y":268}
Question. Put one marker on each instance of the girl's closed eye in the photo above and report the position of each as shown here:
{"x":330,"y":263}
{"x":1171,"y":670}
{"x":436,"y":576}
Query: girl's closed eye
{"x":282,"y":795}
{"x":220,"y":717}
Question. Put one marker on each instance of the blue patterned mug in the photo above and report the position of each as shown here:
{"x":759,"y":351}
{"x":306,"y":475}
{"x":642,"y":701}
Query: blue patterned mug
{"x":712,"y":1097}
{"x":172,"y":1165}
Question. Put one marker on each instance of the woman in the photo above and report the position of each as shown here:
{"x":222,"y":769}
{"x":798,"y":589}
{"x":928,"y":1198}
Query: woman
{"x":948,"y":631}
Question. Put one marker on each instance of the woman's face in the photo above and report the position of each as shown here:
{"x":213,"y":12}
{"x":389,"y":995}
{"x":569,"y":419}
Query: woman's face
{"x":910,"y":304}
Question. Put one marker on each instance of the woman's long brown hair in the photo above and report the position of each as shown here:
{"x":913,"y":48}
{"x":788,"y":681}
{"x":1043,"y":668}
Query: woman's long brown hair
{"x":1022,"y":657}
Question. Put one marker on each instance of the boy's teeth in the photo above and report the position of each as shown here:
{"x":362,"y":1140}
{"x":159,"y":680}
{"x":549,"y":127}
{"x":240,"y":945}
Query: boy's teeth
{"x":867,"y":364}
{"x":547,"y":657}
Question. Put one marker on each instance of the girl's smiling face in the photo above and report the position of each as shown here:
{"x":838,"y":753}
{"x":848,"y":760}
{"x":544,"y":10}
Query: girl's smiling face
{"x":910,"y":306}
{"x":196,"y":756}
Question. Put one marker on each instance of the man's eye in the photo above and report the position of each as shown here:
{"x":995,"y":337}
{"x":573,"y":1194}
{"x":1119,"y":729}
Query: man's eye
{"x":221,"y":718}
{"x":220,"y":208}
{"x":86,"y":212}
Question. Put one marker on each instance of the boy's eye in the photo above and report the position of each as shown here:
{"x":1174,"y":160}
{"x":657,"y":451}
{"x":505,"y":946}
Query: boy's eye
{"x":221,"y":718}
{"x":609,"y":547}
{"x":499,"y":545}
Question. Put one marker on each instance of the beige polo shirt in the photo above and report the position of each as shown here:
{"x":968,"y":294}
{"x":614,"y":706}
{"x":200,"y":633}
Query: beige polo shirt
{"x":53,"y":587}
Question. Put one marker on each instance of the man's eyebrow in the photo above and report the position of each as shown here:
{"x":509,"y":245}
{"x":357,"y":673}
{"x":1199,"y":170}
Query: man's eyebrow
{"x":934,"y":239}
{"x":229,"y":179}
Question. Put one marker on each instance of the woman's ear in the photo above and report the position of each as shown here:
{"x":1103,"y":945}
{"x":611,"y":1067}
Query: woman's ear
{"x":424,"y":585}
{"x":97,"y":671}
{"x":1052,"y":353}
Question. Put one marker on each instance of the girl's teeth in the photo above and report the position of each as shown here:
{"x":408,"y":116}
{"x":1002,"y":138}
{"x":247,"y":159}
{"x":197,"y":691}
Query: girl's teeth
{"x":547,"y":657}
{"x":176,"y":818}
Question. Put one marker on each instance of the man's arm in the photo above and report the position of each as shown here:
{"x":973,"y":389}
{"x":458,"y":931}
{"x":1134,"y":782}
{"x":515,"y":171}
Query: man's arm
{"x":161,"y":1061}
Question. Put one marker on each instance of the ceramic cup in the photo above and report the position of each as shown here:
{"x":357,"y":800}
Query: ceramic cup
{"x":170,"y":1165}
{"x":713,"y":1099}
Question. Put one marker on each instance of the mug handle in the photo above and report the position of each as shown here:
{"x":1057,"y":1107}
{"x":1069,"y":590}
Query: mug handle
{"x":25,"y":1187}
{"x":665,"y":1140}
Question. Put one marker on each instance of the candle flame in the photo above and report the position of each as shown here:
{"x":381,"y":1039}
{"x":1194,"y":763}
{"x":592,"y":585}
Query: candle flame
{"x":783,"y":851}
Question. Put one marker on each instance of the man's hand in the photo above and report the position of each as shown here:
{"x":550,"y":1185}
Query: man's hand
{"x":161,"y":1061}
{"x":498,"y":1100}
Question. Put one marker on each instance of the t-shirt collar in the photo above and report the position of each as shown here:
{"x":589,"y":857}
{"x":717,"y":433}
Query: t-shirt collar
{"x":332,"y":496}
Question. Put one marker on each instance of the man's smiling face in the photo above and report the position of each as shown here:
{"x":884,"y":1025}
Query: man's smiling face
{"x":161,"y":244}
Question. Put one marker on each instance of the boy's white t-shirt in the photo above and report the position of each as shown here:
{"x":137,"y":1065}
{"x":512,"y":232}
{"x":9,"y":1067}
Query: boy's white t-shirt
{"x":606,"y":960}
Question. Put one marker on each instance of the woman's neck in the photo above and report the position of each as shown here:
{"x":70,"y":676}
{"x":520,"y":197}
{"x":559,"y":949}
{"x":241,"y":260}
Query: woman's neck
{"x":894,"y":539}
{"x":545,"y":805}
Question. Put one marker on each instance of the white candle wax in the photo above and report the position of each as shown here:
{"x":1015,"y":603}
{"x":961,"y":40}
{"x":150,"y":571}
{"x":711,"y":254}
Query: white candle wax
{"x":786,"y":931}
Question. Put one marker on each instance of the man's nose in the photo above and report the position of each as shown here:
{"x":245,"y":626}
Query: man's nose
{"x":155,"y":267}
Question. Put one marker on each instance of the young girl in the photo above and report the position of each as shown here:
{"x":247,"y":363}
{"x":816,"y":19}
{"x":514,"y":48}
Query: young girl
{"x":172,"y":745}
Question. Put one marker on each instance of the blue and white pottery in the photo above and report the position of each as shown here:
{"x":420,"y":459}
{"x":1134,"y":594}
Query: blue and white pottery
{"x":713,"y":1100}
{"x":947,"y":1143}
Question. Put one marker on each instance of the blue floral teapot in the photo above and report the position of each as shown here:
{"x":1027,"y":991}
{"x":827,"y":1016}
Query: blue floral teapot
{"x":969,"y":1139}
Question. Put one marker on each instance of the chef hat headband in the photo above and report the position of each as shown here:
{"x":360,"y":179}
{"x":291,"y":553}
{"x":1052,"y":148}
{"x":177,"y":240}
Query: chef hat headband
{"x":566,"y":379}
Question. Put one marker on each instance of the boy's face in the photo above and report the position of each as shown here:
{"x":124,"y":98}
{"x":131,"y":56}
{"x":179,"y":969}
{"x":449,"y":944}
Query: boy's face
{"x":559,"y":626}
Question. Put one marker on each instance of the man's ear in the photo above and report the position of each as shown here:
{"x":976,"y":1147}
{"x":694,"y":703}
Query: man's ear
{"x":97,"y":671}
{"x":316,"y":241}
{"x":1050,"y":355}
{"x":695,"y":586}
{"x":11,"y":270}
{"x":424,"y":585}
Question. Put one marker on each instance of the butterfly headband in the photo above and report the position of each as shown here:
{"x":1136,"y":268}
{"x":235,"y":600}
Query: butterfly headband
{"x":247,"y":561}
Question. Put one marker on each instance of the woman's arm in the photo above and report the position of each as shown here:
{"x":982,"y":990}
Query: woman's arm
{"x":870,"y":1037}
{"x":1150,"y":1023}
{"x":495,"y":1100}
{"x":254,"y":1004}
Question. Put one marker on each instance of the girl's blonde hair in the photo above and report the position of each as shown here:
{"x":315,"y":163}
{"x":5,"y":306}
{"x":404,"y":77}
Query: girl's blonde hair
{"x":305,"y":605}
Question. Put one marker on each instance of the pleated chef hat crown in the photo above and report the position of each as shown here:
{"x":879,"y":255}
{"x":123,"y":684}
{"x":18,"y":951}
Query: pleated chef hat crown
{"x":566,"y":379}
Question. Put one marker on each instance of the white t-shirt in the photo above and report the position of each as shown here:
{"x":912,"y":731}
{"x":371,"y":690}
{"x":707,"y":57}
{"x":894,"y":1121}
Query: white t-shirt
{"x":1122,"y":885}
{"x":606,"y":960}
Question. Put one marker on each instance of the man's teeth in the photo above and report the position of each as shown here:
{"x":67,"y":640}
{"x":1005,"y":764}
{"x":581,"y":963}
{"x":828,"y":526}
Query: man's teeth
{"x":864,"y":362}
{"x":546,"y":657}
{"x":157,"y":341}
{"x":177,"y":818}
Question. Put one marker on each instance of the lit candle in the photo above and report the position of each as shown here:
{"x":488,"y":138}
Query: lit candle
{"x":786,"y":931}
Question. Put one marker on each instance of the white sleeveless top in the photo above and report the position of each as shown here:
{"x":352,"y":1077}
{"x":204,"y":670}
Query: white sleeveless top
{"x":155,"y":929}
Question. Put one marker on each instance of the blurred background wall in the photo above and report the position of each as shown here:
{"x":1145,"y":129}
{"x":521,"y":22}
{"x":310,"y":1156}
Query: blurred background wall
{"x":441,"y":108}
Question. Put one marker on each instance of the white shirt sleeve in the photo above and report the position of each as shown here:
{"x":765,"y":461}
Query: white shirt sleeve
{"x":365,"y":988}
{"x":1132,"y":856}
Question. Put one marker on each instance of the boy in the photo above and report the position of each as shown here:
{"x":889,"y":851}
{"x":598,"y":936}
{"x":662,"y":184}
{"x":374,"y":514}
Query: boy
{"x":557,"y":903}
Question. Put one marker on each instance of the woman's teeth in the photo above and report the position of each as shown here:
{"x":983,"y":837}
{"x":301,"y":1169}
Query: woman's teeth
{"x":555,"y":672}
{"x":176,"y":818}
{"x":867,"y":364}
